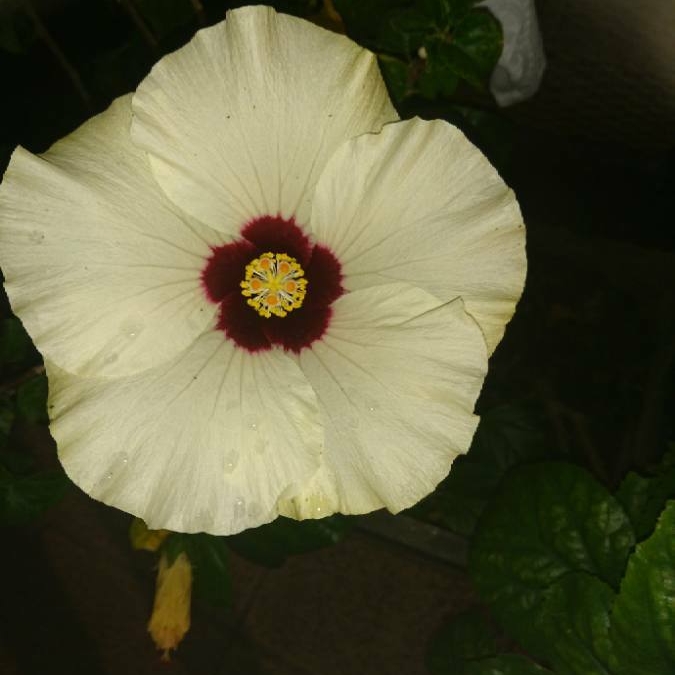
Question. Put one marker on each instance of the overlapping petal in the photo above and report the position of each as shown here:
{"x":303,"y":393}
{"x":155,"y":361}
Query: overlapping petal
{"x":241,"y":121}
{"x":418,"y":203}
{"x":210,"y":440}
{"x":396,"y":376}
{"x":101,"y":267}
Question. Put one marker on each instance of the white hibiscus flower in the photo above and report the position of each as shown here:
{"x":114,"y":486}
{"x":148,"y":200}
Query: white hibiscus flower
{"x":256,"y":292}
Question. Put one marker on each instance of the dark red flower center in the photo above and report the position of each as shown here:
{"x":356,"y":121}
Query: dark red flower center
{"x":243,"y":323}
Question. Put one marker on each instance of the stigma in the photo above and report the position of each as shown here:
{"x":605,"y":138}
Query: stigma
{"x":274,"y":284}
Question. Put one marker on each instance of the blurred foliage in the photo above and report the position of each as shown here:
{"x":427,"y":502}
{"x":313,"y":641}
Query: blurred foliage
{"x":25,"y":496}
{"x":468,"y":646}
{"x":271,"y":544}
{"x":554,"y":557}
{"x":208,"y":555}
{"x":268,"y":545}
{"x":644,"y":497}
{"x":433,"y":50}
{"x":426,"y":47}
{"x":26,"y":489}
{"x":507,"y":435}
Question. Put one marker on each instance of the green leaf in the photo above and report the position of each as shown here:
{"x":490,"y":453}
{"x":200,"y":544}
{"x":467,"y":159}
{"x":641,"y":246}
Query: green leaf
{"x":403,"y":31}
{"x":546,"y":520}
{"x":395,"y":73}
{"x":479,"y":38}
{"x":24,"y":498}
{"x":466,"y":637}
{"x":507,"y":435}
{"x":491,"y":132}
{"x":211,"y":571}
{"x":358,"y":17}
{"x":446,"y":13}
{"x":453,"y":60}
{"x":15,"y":344}
{"x":575,"y":619}
{"x":208,"y":556}
{"x":175,"y":544}
{"x":31,"y":400}
{"x":644,"y":497}
{"x":643,"y":617}
{"x":271,"y":544}
{"x":505,"y":664}
{"x":437,"y":78}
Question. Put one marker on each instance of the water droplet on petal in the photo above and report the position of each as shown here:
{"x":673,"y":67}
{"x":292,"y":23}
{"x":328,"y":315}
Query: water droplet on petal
{"x":371,"y":404}
{"x":231,"y":461}
{"x":254,"y":510}
{"x":239,"y":508}
{"x":131,"y":329}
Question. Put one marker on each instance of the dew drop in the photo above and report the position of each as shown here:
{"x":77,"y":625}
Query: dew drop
{"x":131,"y":329}
{"x":239,"y":508}
{"x":252,"y":423}
{"x":371,"y":405}
{"x":231,"y":461}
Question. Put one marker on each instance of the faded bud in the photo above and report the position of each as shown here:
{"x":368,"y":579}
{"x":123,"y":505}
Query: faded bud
{"x":170,"y":619}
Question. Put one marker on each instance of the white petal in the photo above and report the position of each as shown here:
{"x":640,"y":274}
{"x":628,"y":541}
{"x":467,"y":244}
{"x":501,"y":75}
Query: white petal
{"x":100,"y":266}
{"x":207,"y":442}
{"x":241,"y":121}
{"x":397,"y":376}
{"x":419,"y":203}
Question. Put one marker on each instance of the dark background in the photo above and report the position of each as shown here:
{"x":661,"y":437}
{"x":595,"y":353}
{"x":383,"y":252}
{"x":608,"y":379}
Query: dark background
{"x":590,"y":349}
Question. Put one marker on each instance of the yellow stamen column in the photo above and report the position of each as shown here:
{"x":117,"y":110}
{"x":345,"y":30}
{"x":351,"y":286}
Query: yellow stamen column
{"x":274,"y":284}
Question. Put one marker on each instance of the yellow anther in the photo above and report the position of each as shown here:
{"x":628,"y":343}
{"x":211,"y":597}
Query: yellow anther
{"x":274,"y":284}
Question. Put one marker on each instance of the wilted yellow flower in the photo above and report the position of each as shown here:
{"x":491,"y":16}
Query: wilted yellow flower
{"x":170,"y":619}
